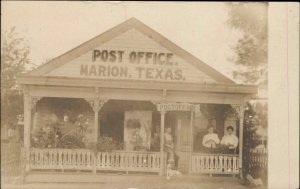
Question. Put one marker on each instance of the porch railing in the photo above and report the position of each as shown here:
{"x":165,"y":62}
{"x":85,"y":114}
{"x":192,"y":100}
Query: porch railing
{"x":258,"y":158}
{"x":82,"y":159}
{"x":215,"y":163}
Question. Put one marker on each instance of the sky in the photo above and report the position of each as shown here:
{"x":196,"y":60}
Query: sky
{"x":52,"y":28}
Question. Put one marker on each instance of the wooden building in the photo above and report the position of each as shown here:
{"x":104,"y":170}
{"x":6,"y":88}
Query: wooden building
{"x":126,"y":78}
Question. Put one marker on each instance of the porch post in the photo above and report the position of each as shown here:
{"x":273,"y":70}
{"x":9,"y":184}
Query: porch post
{"x":162,"y":128}
{"x":241,"y":126}
{"x":29,"y":105}
{"x":96,"y":104}
{"x":239,"y":110}
{"x":96,"y":122}
{"x":192,"y":140}
{"x":27,"y":124}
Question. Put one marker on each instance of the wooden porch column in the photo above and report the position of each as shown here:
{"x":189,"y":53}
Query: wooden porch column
{"x":29,"y":104}
{"x":241,"y":128}
{"x":96,"y":104}
{"x":162,"y":128}
{"x":191,"y":140}
{"x":240,"y":114}
{"x":27,"y":126}
{"x":96,"y":123}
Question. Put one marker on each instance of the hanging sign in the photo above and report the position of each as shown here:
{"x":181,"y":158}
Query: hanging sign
{"x":178,"y":107}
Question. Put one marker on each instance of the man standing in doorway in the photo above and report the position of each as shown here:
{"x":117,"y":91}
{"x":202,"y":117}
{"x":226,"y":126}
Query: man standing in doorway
{"x":172,"y":157}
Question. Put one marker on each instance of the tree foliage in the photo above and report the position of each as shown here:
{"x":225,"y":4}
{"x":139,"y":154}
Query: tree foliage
{"x":251,"y":49}
{"x":251,"y":61}
{"x":14,"y":58}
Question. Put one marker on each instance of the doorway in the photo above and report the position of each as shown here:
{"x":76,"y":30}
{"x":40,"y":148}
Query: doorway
{"x":111,"y":125}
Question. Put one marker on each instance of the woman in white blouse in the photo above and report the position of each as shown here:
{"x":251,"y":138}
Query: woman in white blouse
{"x":229,"y":141}
{"x":211,"y":139}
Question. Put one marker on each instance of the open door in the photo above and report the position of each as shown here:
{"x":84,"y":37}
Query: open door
{"x":181,"y":122}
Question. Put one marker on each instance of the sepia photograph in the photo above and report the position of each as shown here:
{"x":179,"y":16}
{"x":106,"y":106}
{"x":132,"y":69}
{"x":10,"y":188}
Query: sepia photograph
{"x":142,"y":95}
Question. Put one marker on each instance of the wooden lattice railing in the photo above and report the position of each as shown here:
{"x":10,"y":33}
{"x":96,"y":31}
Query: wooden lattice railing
{"x":82,"y":159}
{"x":215,"y":163}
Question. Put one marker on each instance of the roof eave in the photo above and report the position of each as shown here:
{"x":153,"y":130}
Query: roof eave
{"x":135,"y":84}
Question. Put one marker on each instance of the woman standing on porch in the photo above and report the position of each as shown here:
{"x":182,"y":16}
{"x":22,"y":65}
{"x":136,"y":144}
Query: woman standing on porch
{"x":210,"y":140}
{"x":230,"y":141}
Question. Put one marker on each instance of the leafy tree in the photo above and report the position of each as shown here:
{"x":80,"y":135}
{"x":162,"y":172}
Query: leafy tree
{"x":251,"y":67}
{"x":251,"y":49}
{"x":14,"y":58}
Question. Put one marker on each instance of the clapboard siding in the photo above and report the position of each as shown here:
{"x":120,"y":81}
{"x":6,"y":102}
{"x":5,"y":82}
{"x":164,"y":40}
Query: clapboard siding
{"x":133,"y":40}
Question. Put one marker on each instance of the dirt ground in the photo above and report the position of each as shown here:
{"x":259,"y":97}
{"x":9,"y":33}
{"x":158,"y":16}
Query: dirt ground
{"x":184,"y":182}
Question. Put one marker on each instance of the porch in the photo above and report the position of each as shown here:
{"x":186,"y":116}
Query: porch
{"x":54,"y":119}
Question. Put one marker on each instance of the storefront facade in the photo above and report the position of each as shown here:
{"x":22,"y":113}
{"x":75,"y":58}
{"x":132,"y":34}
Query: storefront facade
{"x":129,"y":80}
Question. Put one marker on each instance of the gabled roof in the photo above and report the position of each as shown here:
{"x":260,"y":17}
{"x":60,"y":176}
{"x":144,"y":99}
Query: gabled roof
{"x":119,"y":29}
